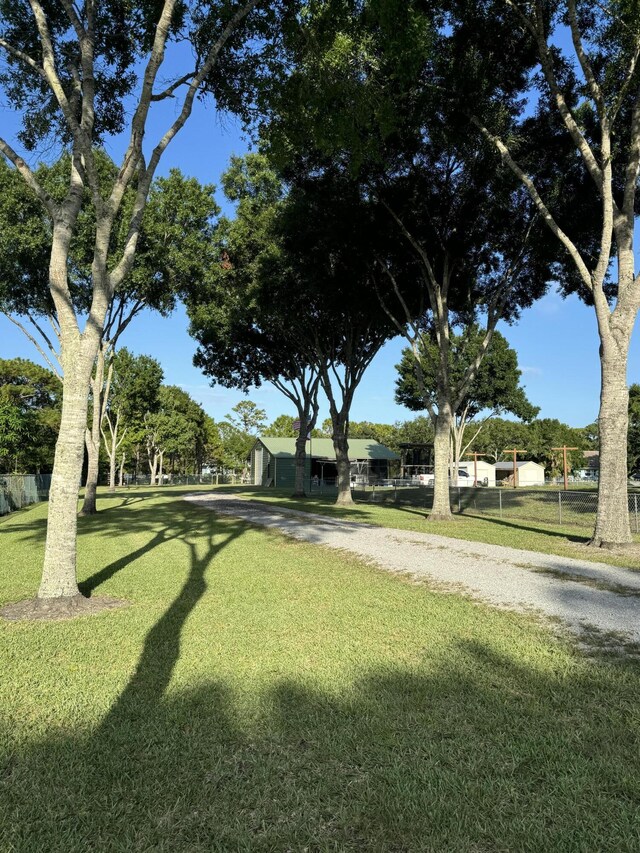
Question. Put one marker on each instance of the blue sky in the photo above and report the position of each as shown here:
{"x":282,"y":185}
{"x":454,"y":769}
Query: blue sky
{"x":556,"y":340}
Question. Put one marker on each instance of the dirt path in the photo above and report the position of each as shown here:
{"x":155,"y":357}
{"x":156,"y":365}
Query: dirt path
{"x":583,"y":594}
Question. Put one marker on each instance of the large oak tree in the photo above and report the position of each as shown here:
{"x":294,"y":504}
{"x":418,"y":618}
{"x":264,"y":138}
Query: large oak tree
{"x":368,"y":92}
{"x":587,"y":98}
{"x":83,"y":72}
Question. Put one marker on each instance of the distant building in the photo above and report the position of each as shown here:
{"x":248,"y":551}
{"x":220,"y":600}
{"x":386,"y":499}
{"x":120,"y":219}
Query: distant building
{"x":486,"y":473}
{"x":529,"y":473}
{"x":273,"y":461}
{"x":591,"y":468}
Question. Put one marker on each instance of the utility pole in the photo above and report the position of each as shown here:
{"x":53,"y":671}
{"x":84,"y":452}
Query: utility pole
{"x":564,"y":449}
{"x":515,"y":464}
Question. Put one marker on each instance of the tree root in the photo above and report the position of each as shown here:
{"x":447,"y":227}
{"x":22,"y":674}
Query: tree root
{"x":440,"y":516}
{"x":609,"y":546}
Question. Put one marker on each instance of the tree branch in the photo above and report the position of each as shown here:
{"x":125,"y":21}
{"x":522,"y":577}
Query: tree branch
{"x":28,"y":335}
{"x":29,"y":177}
{"x":615,"y":109}
{"x":123,"y":267}
{"x":546,"y":61}
{"x":585,"y":64}
{"x":49,"y":66}
{"x":23,"y":57}
{"x":631,"y":172}
{"x":168,"y":92}
{"x":539,"y":203}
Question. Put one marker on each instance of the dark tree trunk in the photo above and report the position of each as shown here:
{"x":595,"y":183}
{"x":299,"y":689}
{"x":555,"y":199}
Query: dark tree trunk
{"x":341,"y":447}
{"x":301,"y":460}
{"x":91,"y":483}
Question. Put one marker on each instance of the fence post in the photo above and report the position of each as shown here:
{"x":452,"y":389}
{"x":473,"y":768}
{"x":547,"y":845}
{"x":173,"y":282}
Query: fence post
{"x":635,"y":507}
{"x":500,"y":499}
{"x":560,"y":506}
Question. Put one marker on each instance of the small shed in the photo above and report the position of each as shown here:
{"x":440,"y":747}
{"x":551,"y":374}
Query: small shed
{"x":529,"y":473}
{"x":485,"y":470}
{"x":273,"y":461}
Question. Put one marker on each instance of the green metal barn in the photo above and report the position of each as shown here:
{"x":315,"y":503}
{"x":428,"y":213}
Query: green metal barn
{"x":273,"y":461}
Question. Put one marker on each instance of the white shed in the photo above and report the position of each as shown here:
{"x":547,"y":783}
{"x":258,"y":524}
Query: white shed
{"x":486,"y":472}
{"x":529,"y":473}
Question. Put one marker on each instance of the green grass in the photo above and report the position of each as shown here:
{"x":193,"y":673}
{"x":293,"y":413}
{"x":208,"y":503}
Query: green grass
{"x":262,"y":694}
{"x":565,"y":540}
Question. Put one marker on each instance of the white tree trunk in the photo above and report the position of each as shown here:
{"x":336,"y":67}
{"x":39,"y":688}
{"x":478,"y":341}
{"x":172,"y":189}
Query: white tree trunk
{"x":59,"y":570}
{"x":441,"y":509}
{"x":612,"y":519}
{"x":153,"y":464}
{"x":112,"y":472}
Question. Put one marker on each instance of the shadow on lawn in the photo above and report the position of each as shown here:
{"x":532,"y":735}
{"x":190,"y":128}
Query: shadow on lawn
{"x":478,"y":755}
{"x":164,"y":523}
{"x":490,"y":519}
{"x":466,"y":750}
{"x":520,"y":525}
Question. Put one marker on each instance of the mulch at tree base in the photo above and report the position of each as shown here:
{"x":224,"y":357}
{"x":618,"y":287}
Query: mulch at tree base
{"x":59,"y":608}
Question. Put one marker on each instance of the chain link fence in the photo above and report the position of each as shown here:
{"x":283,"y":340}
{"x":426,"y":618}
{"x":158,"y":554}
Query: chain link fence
{"x":549,"y":506}
{"x":19,"y":490}
{"x":179,"y":480}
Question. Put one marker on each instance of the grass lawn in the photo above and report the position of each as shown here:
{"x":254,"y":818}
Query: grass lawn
{"x":262,"y":694}
{"x":566,"y":541}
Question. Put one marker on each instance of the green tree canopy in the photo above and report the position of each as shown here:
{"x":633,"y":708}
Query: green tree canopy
{"x":495,"y":389}
{"x":281,"y":427}
{"x":30,"y":399}
{"x":174,"y":248}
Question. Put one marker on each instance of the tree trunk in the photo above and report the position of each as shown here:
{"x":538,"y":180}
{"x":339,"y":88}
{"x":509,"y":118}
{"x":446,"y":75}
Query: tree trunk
{"x":93,"y":465}
{"x":301,"y":460}
{"x":113,"y":452}
{"x":153,"y":463}
{"x":341,"y":447}
{"x":92,"y":438}
{"x":161,"y":460}
{"x":441,"y":509}
{"x":112,"y":472}
{"x":121,"y":477}
{"x":59,"y":570}
{"x":612,"y":519}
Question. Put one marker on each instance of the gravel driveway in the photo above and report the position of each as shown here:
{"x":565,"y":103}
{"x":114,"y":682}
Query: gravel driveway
{"x":584,"y":595}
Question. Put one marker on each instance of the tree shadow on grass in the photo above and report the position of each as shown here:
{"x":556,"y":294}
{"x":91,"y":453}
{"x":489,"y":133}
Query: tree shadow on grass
{"x":521,"y":525}
{"x":468,"y":753}
{"x":163,"y":523}
{"x":465,"y":748}
{"x":490,"y":519}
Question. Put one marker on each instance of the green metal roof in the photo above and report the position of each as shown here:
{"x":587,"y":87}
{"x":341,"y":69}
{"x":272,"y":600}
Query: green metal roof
{"x":322,"y":448}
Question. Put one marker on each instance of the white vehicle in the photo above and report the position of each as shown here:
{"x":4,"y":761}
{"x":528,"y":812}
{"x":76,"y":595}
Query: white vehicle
{"x":426,"y":479}
{"x":463,"y":479}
